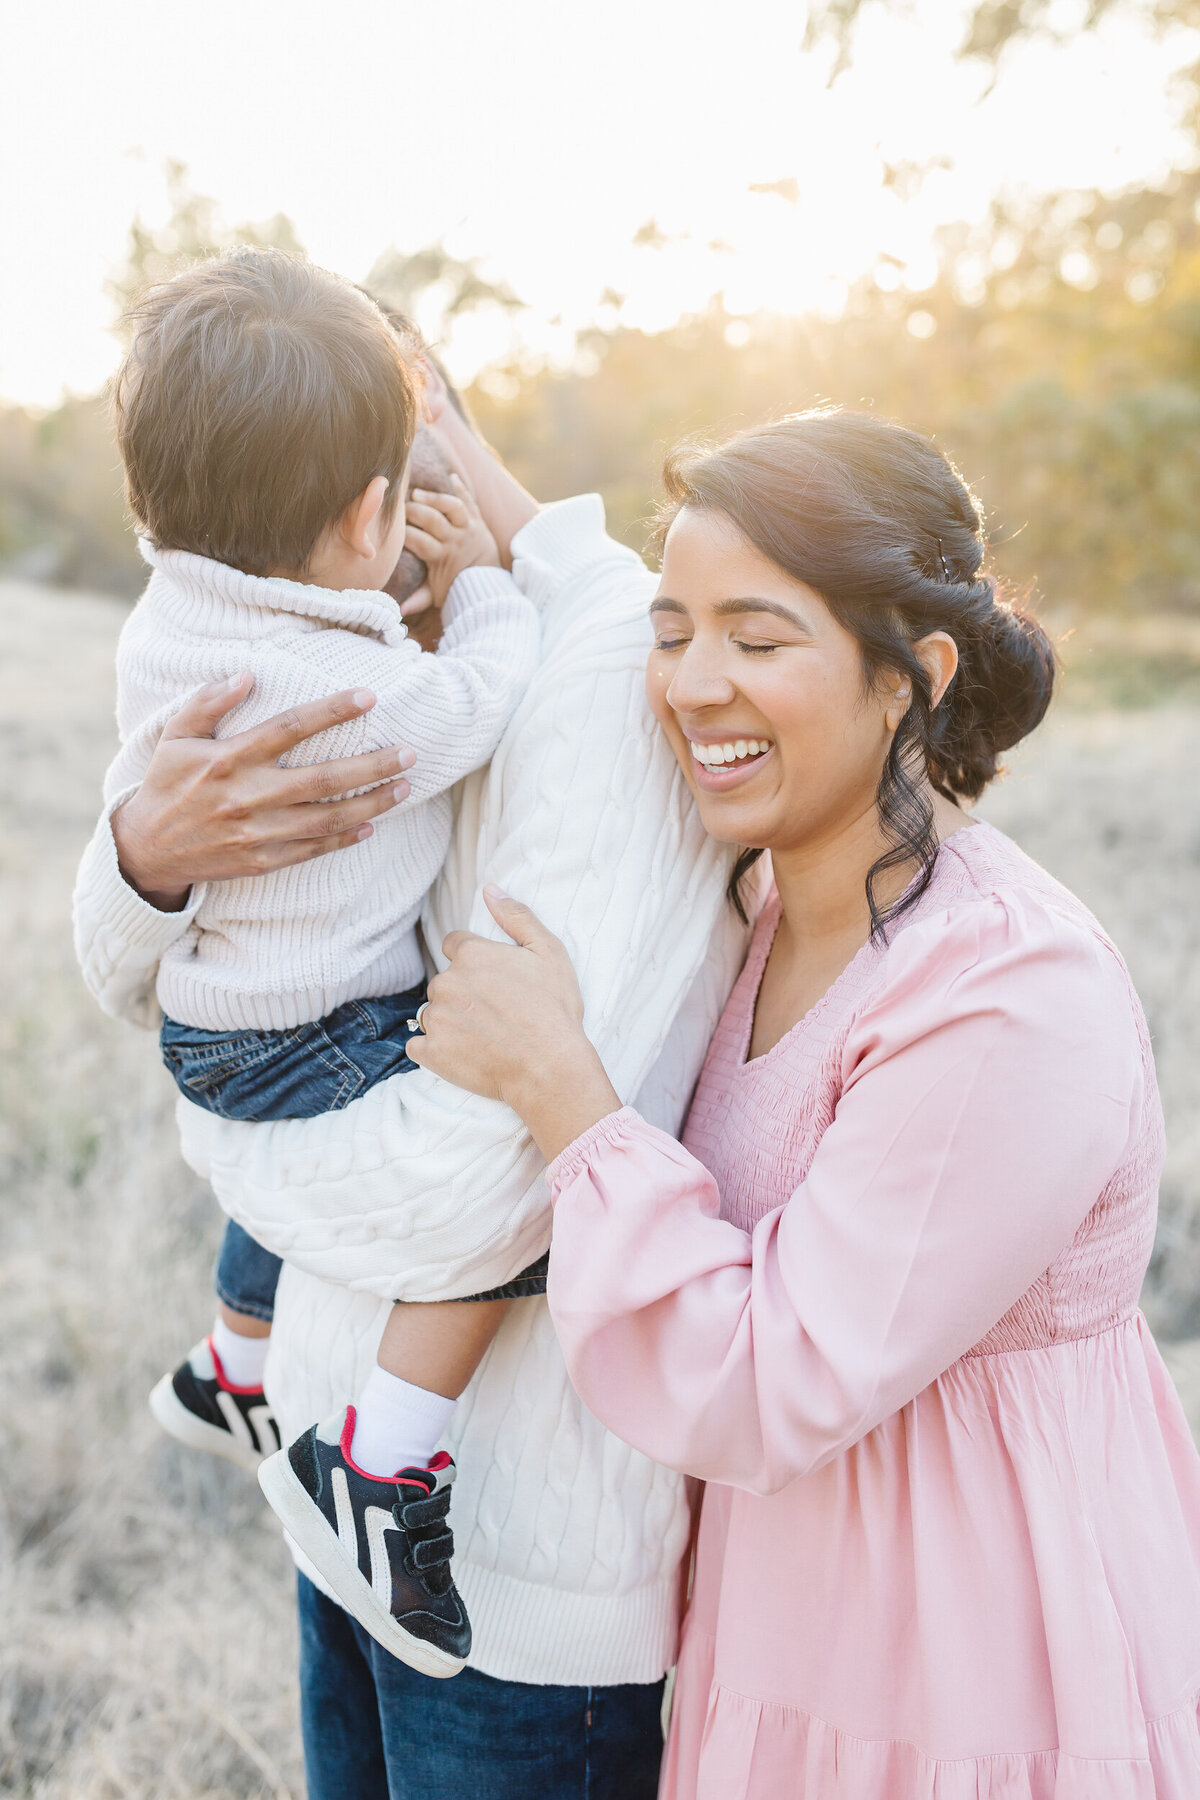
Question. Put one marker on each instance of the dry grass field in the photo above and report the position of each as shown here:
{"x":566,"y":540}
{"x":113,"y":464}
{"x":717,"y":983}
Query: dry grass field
{"x":147,"y":1648}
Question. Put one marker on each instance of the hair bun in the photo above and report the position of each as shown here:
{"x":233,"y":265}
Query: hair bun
{"x":1003,"y":686}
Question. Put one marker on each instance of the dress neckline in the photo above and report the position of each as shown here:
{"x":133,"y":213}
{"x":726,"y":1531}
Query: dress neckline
{"x":760,"y":950}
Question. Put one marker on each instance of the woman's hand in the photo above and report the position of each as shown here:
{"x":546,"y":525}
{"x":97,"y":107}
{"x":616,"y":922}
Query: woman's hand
{"x":506,"y":1021}
{"x":209,"y":809}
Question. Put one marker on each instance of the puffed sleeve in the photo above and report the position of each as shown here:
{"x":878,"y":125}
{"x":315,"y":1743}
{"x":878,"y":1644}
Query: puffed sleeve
{"x":990,"y":1087}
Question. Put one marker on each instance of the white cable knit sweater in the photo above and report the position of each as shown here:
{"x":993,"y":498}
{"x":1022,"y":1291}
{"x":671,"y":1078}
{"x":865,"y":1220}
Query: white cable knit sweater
{"x":291,"y":946}
{"x":569,"y":1542}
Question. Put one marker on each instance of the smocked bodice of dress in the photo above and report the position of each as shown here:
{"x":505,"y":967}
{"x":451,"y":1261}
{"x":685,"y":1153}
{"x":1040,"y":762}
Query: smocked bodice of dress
{"x":757,"y":1127}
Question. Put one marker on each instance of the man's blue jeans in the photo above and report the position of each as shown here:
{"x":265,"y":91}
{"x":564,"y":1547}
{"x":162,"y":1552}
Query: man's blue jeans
{"x":376,"y":1730}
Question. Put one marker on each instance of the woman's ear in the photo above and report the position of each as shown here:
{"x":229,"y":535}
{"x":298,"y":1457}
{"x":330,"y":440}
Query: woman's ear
{"x":898,"y":701}
{"x":938,"y":654}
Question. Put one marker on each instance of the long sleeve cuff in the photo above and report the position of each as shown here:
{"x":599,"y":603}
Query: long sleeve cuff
{"x":607,"y":1130}
{"x":126,"y":912}
{"x":473,"y":587}
{"x":119,"y":937}
{"x":566,"y":539}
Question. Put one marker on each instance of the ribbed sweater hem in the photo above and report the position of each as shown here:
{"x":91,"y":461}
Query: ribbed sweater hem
{"x":527,"y":1631}
{"x":185,"y":994}
{"x":551,"y":1637}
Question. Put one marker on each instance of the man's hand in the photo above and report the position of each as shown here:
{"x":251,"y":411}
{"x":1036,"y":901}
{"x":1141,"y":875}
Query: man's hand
{"x":210,"y":809}
{"x":448,"y":533}
{"x":504,"y":503}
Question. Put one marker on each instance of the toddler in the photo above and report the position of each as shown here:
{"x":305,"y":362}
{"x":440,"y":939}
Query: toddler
{"x":265,"y":414}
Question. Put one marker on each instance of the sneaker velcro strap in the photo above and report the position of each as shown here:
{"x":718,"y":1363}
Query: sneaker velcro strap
{"x":413,"y":1514}
{"x":428,"y":1552}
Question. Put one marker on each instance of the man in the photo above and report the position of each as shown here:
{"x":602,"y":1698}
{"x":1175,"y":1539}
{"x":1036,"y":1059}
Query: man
{"x":569,"y":1544}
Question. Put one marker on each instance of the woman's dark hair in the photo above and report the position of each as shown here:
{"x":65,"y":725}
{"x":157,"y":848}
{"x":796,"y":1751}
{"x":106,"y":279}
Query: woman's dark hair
{"x":885,"y":529}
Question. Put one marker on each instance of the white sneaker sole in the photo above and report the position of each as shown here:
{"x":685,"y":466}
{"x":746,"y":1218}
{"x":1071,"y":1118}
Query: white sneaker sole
{"x":186,"y":1428}
{"x":309,"y":1529}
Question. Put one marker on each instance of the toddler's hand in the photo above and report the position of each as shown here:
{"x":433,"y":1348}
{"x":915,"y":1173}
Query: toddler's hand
{"x":448,"y":533}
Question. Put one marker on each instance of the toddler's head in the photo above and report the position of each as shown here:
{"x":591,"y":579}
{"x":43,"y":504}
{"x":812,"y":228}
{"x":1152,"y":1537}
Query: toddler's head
{"x":265,"y":413}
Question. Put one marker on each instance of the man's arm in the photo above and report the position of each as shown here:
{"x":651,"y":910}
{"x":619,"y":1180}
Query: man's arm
{"x":206,"y":810}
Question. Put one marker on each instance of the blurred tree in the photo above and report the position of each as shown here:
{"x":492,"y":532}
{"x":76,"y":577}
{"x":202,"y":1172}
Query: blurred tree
{"x":1057,"y":357}
{"x":990,"y":27}
{"x":434,"y":288}
{"x":61,"y":504}
{"x":192,"y":230}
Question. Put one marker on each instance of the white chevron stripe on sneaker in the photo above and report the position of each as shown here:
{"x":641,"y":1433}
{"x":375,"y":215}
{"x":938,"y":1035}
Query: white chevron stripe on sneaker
{"x":195,"y":1407}
{"x":345,"y":1514}
{"x":378,"y":1521}
{"x":262,"y":1423}
{"x":238,"y":1427}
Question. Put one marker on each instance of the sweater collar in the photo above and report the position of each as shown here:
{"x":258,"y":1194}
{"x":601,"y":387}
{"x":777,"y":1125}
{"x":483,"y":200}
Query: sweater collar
{"x":202,"y":578}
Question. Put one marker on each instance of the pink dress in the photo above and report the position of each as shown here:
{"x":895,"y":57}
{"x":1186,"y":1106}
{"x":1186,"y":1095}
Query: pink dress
{"x":885,"y":1304}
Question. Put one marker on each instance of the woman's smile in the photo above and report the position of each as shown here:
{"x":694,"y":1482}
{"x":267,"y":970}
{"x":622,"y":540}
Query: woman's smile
{"x":728,"y":762}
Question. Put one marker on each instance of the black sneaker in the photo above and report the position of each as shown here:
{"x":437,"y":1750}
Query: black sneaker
{"x":200,"y":1407}
{"x":381,"y":1544}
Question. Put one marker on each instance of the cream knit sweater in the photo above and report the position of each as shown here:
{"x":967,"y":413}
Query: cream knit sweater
{"x":288,"y":947}
{"x":569,"y":1542}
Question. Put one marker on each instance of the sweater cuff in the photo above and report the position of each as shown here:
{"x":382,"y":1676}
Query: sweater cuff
{"x":566,"y":539}
{"x":472,"y":588}
{"x":566,"y":533}
{"x":133,"y":920}
{"x":607,"y":1130}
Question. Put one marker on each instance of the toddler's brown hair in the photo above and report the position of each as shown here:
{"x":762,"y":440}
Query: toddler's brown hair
{"x":258,"y":398}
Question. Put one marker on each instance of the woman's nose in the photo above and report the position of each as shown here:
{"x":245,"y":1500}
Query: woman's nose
{"x":699,"y":680}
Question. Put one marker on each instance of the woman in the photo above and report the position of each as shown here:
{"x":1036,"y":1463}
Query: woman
{"x":883,"y":1300}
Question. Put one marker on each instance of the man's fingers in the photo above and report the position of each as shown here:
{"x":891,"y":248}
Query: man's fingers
{"x":201,"y":715}
{"x":287,"y":851}
{"x":329,"y":780}
{"x":271,"y":740}
{"x":338,"y":818}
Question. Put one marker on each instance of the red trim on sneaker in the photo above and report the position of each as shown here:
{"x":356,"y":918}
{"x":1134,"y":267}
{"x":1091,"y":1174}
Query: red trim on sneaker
{"x":347,"y":1439}
{"x":223,"y":1380}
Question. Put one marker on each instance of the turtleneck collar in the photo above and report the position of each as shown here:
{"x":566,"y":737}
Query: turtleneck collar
{"x":353,"y":609}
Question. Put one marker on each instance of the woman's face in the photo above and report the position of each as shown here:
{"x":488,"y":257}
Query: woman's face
{"x":762,"y":693}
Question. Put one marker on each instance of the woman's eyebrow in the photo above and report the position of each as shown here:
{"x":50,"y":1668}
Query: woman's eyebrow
{"x":661,"y":603}
{"x":754,"y":603}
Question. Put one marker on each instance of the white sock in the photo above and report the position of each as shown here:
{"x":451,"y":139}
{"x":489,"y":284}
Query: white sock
{"x":397,"y":1425}
{"x":242,"y":1358}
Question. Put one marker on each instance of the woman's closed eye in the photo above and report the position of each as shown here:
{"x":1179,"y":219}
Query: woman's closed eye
{"x":663,"y":642}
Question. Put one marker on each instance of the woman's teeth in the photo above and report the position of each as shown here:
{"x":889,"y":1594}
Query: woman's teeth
{"x":714,"y":756}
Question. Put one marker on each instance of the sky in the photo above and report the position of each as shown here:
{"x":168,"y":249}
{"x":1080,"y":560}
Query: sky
{"x":537,"y":135}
